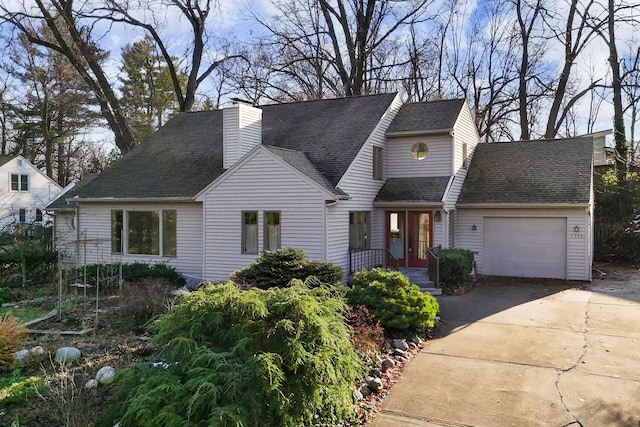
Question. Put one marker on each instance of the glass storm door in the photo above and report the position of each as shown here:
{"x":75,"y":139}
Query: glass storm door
{"x":395,"y":236}
{"x":419,"y":238}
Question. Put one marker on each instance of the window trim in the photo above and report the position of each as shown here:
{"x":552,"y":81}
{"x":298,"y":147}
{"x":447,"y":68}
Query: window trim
{"x":243,"y":249}
{"x":126,"y":238}
{"x":378,"y":163}
{"x":366,"y":221}
{"x":21,"y":182}
{"x":265,"y":234}
{"x":415,"y":151}
{"x":114,"y":249}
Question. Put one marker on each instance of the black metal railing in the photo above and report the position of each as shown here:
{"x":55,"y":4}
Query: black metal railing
{"x":371,"y":258}
{"x":433,"y":265}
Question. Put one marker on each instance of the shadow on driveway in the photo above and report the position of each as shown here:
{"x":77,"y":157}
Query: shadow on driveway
{"x":493,"y":295}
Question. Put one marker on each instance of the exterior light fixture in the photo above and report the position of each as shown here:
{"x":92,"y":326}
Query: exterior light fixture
{"x":437,"y":217}
{"x":473,"y":227}
{"x":576,"y":229}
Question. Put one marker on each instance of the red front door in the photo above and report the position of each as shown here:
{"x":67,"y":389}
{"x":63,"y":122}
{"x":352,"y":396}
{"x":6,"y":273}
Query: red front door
{"x":408,"y":236}
{"x":419,"y":238}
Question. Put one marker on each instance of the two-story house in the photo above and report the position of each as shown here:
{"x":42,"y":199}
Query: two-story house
{"x":355,"y":181}
{"x":24,"y":192}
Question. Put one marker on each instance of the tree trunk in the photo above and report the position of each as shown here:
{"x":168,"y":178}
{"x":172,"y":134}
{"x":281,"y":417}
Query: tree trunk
{"x":622,"y":151}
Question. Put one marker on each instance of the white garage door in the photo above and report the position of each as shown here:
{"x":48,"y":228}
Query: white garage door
{"x":525,"y":247}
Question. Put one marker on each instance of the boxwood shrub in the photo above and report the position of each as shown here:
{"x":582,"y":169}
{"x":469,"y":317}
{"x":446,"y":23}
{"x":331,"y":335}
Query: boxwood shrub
{"x":400,"y":307}
{"x":455,"y":266}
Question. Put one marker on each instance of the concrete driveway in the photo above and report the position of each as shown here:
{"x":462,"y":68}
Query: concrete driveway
{"x":528,"y":354}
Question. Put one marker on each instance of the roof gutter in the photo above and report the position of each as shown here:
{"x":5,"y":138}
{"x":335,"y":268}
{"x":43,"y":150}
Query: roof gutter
{"x":130,"y":199}
{"x":408,"y":204}
{"x":418,"y":133}
{"x":521,"y":205}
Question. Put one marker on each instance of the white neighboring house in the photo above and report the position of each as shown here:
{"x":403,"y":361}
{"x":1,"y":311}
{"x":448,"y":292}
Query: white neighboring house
{"x":358,"y":182}
{"x":24,"y":192}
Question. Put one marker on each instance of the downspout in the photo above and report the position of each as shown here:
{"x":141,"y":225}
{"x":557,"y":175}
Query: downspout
{"x":326,"y":206}
{"x":204,"y":238}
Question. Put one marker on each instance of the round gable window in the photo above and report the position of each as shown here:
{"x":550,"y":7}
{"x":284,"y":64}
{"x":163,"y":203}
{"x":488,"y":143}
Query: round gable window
{"x":419,"y":151}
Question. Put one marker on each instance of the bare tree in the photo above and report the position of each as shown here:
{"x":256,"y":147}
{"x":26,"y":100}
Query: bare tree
{"x":72,"y":37}
{"x":574,"y":37}
{"x":357,"y":28}
{"x":631,"y":91}
{"x":612,"y":15}
{"x":197,"y":14}
{"x":531,"y":46}
{"x":339,"y":48}
{"x":483,"y":64}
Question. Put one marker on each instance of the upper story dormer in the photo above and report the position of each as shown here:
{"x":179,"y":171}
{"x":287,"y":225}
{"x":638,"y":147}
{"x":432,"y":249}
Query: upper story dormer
{"x":430,"y":139}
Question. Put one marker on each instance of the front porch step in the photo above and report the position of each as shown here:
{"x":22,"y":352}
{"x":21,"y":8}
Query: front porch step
{"x":420,"y":277}
{"x":432,"y":291}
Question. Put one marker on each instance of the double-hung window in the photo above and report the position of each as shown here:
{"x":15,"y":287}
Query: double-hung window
{"x":249,"y":232}
{"x":19,"y":182}
{"x":271,"y":230}
{"x":22,"y":216}
{"x":147,"y":232}
{"x":359,"y":229}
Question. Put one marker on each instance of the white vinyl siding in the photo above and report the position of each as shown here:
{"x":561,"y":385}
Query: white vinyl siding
{"x":94,"y":226}
{"x":242,"y":132}
{"x":262,"y":184}
{"x":358,"y":182}
{"x":464,"y":133}
{"x":400,"y":163}
{"x":41,"y":191}
{"x":578,"y":244}
{"x":64,"y":234}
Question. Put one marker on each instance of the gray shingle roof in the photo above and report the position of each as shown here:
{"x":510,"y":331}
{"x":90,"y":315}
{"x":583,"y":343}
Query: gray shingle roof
{"x":61,"y":201}
{"x":299,"y":161}
{"x":430,"y":189}
{"x":426,"y":116}
{"x":5,"y":159}
{"x":185,"y":155}
{"x":529,"y":172}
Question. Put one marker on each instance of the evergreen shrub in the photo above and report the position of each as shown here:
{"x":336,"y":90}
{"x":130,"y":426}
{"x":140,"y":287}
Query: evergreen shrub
{"x":399,"y":306}
{"x":135,"y":272}
{"x":275,"y":357}
{"x":455,"y":266}
{"x":279,"y":267}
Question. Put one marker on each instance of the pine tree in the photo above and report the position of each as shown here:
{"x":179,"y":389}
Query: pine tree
{"x":147,"y":91}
